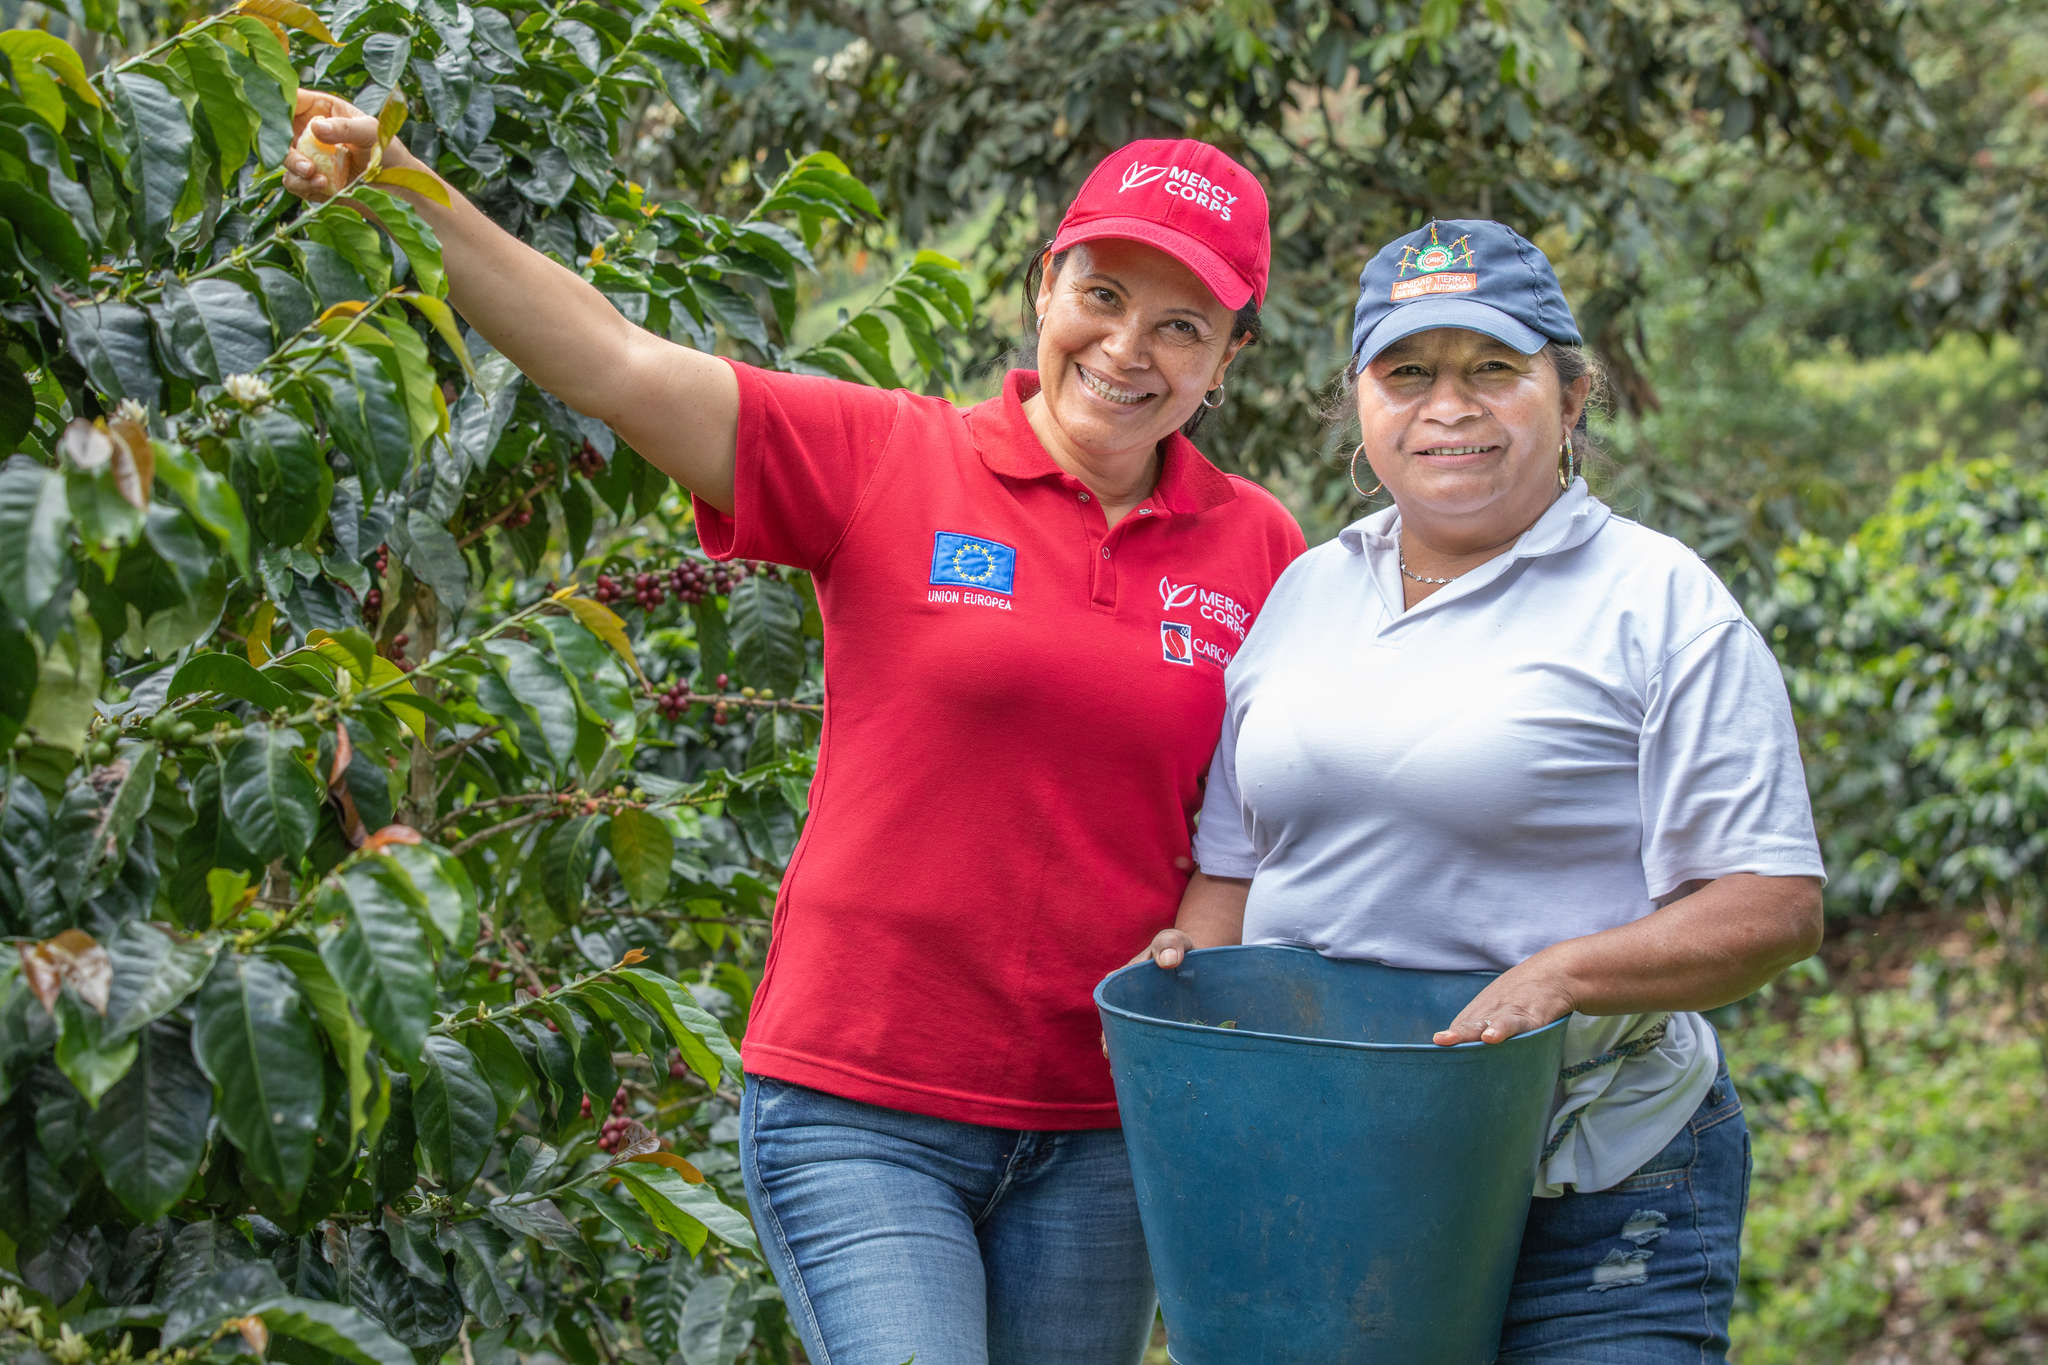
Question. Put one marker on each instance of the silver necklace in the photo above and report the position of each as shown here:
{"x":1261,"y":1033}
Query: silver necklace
{"x":1420,"y":578}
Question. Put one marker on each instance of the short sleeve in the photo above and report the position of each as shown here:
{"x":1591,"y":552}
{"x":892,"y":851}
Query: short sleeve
{"x":1223,"y":847}
{"x":807,"y":450}
{"x":1721,"y":784}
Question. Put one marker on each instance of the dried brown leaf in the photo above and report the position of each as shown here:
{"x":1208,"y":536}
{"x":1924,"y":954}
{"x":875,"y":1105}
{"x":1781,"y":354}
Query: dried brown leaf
{"x":72,"y":958}
{"x":391,"y":834}
{"x":255,"y":1333}
{"x":673,"y":1162}
{"x":134,"y":461}
{"x":640,"y":1143}
{"x":86,"y":445}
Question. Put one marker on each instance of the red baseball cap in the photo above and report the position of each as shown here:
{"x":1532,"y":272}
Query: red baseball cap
{"x":1189,"y":200}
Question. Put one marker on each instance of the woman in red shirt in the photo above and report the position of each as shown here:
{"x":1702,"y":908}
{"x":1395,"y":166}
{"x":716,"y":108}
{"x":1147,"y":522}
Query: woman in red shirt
{"x":1028,"y":605}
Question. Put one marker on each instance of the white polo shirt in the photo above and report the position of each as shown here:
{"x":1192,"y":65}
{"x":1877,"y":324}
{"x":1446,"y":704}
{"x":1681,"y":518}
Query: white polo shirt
{"x":1540,"y":750}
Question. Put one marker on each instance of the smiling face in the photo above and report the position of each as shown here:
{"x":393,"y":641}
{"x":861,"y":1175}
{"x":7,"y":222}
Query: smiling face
{"x":1128,"y":342}
{"x":1464,"y":431}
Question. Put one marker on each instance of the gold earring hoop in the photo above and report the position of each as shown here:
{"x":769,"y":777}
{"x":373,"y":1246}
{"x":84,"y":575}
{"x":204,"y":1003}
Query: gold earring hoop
{"x":1218,"y":392}
{"x":1363,"y":492}
{"x":1567,"y":463}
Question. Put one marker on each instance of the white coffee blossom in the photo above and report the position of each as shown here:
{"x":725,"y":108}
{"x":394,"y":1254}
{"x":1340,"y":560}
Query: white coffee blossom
{"x":128,"y":410}
{"x":22,"y":1317}
{"x":70,"y":1348}
{"x":247,"y":389}
{"x":846,"y":64}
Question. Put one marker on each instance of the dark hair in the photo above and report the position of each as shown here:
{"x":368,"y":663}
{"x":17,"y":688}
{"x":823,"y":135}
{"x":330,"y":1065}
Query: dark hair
{"x":1246,"y":324}
{"x":1570,"y":363}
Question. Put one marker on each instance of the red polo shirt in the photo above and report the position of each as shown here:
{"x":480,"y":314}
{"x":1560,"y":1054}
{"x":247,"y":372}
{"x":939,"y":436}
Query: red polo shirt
{"x":1021,"y":702}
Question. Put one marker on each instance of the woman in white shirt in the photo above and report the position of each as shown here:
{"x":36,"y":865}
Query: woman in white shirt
{"x":1495,"y":727}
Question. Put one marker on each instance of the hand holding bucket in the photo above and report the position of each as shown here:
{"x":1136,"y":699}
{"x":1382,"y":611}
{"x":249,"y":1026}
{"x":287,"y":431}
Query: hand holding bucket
{"x":1320,"y":1182}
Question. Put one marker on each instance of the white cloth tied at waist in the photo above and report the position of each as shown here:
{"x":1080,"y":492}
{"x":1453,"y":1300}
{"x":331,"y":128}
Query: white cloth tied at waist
{"x":1629,"y":1110}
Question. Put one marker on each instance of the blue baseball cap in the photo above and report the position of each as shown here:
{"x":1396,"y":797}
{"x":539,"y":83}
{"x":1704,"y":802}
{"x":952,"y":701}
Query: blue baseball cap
{"x":1460,"y":272}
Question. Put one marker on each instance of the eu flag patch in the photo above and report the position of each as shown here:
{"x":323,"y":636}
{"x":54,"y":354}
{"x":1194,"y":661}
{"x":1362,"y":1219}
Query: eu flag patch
{"x":972,"y":562}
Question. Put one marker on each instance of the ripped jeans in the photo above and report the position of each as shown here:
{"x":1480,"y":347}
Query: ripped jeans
{"x":1643,"y":1273}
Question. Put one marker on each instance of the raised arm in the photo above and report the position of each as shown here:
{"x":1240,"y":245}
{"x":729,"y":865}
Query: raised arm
{"x":678,"y":407}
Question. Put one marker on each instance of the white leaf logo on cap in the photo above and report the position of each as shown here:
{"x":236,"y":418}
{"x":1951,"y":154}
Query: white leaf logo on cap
{"x":1137,"y":175}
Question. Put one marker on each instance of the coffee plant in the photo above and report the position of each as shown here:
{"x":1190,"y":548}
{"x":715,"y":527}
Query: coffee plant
{"x":393,"y":795}
{"x":1917,"y":655}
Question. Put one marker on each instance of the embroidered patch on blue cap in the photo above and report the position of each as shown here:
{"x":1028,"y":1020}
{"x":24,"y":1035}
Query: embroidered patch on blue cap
{"x":973,"y":562}
{"x":1470,"y":273}
{"x":1431,"y":265}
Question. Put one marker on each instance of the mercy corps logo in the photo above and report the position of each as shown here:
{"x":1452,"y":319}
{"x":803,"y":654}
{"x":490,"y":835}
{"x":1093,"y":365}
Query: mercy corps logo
{"x":1198,"y":190}
{"x":1221,"y":608}
{"x":1178,"y":643}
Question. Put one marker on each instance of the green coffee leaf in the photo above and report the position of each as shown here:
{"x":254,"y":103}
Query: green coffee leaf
{"x":594,"y":1063}
{"x":210,"y":499}
{"x":641,"y":848}
{"x":357,"y":245}
{"x":35,"y":519}
{"x":456,"y":1112}
{"x":150,"y":1129}
{"x":448,"y":896}
{"x":380,"y":957}
{"x":393,"y":1163}
{"x":223,"y":100}
{"x":232,"y":675}
{"x":421,"y":247}
{"x":717,"y":1323}
{"x":89,"y":1059}
{"x":67,"y":681}
{"x":659,"y":1297}
{"x":478,"y":1248}
{"x":159,"y":146}
{"x":365,"y":411}
{"x":343,"y":1332}
{"x":566,"y":860}
{"x":25,"y":46}
{"x":218,"y":328}
{"x":414,"y":367}
{"x":504,"y":1066}
{"x":767,"y":633}
{"x":97,"y":819}
{"x":697,"y":1035}
{"x":274,"y":796}
{"x":542,"y":691}
{"x":270,"y":86}
{"x":255,"y":1043}
{"x":58,"y":246}
{"x":112,"y":341}
{"x":154,"y":971}
{"x":674,"y":1203}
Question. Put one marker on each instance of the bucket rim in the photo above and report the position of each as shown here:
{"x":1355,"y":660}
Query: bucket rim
{"x":1218,"y":1030}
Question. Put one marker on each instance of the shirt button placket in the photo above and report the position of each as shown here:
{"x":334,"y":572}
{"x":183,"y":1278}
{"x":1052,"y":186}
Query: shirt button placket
{"x":1104,"y":594}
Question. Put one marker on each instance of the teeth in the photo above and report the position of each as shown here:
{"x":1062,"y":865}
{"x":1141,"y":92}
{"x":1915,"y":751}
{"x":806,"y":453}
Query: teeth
{"x":1458,"y":450}
{"x":1110,"y":391}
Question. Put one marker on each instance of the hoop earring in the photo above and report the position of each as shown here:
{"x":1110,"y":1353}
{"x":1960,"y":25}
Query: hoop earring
{"x":1363,"y":492}
{"x":1567,"y":464}
{"x":1218,"y":391}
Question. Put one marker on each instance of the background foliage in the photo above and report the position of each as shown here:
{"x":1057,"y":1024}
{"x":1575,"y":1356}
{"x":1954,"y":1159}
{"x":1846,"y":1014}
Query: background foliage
{"x":295,"y":572}
{"x":379,"y":896}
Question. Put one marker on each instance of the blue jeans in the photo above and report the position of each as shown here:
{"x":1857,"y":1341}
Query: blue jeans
{"x":1643,"y":1273}
{"x":893,"y":1235}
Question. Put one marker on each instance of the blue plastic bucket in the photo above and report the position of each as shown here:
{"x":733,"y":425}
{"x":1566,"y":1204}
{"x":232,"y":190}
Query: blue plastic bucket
{"x":1319,"y":1183}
